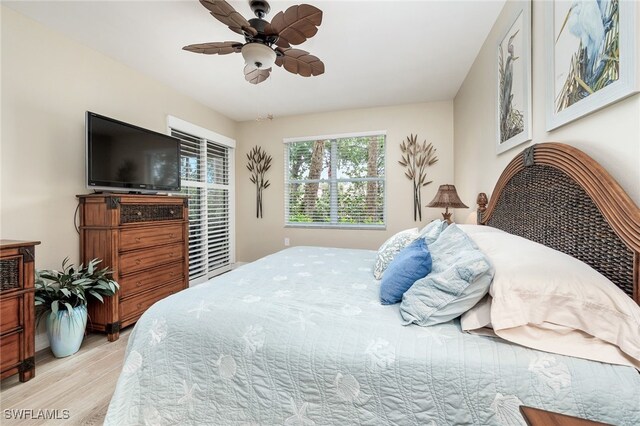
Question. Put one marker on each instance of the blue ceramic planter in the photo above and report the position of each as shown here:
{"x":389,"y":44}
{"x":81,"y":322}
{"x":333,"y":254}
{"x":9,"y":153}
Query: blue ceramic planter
{"x":66,"y":330}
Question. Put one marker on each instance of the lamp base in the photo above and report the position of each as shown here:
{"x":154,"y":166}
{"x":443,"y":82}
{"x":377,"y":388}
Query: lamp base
{"x":447,"y":216}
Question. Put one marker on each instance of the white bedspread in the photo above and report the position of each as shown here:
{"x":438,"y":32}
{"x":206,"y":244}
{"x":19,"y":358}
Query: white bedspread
{"x":300,"y":338}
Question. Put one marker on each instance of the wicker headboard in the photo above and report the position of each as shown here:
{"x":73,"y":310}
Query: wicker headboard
{"x":558,"y":196}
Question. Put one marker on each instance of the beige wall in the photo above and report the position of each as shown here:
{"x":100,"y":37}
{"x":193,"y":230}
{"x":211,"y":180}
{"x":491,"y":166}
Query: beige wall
{"x":45,"y":92}
{"x":611,"y":136}
{"x":48,"y":82}
{"x":259,"y":237}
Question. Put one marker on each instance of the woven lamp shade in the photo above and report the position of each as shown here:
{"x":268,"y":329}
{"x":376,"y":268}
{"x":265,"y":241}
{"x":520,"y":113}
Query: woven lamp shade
{"x":446,"y":197}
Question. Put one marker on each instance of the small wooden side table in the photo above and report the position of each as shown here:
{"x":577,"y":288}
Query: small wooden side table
{"x":538,"y":417}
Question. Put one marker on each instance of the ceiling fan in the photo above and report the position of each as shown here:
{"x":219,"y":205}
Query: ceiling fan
{"x":266,"y":42}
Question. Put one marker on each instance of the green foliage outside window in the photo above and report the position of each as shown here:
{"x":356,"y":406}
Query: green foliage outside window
{"x":336,"y":182}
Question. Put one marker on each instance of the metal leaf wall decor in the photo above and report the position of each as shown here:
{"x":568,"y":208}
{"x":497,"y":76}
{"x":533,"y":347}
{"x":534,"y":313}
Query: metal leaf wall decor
{"x":259,"y":164}
{"x":416,"y":157}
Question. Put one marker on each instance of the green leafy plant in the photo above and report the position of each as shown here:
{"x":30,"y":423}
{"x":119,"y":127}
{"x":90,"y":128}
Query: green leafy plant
{"x":70,"y":287}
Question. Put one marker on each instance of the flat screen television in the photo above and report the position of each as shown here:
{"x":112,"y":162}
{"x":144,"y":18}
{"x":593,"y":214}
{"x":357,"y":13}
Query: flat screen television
{"x":121,"y":156}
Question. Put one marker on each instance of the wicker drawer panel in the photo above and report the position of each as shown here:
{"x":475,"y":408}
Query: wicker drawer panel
{"x":145,"y":259}
{"x":10,"y":351}
{"x":136,"y":305}
{"x":131,"y":285}
{"x":10,"y":314}
{"x":135,"y":213}
{"x":10,"y":274}
{"x":147,"y":237}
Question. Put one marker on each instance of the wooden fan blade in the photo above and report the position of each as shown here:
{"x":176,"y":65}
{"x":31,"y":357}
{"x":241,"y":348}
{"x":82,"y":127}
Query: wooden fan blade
{"x":296,"y":24}
{"x":215,"y":48}
{"x":225,"y":13}
{"x":298,"y":61}
{"x":255,"y":75}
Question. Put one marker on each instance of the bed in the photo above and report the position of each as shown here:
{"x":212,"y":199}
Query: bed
{"x":300,"y":338}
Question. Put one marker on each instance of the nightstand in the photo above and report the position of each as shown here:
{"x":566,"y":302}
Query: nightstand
{"x":538,"y":417}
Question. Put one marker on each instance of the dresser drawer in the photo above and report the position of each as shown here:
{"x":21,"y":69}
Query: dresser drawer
{"x":147,"y":237}
{"x":142,"y":281}
{"x":135,"y":213}
{"x":136,"y":305}
{"x":10,"y":351}
{"x":144,"y":259}
{"x":10,"y":314}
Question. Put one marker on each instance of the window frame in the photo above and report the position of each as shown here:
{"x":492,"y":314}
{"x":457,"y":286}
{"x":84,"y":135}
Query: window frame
{"x":332,"y":181}
{"x":206,"y":135}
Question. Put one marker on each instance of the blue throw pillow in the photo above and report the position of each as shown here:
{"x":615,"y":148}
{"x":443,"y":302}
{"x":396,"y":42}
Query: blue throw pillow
{"x":461,"y":276}
{"x":411,"y":264}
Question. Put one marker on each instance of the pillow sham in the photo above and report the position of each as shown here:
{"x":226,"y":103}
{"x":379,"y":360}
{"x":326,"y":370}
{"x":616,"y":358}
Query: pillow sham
{"x":477,"y":320}
{"x":391,"y":247}
{"x":460,"y":277}
{"x":411,"y":264}
{"x":547,"y":300}
{"x":432,"y":231}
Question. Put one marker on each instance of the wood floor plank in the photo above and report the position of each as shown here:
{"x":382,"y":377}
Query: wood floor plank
{"x":76,"y":386}
{"x":82,"y":383}
{"x":88,"y":364}
{"x":46,"y":362}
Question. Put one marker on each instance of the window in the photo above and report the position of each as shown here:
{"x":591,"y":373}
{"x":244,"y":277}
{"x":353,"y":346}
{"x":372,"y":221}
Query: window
{"x":207,"y":181}
{"x":335,"y":181}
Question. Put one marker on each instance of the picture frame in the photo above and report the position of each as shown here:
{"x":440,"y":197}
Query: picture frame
{"x":582,"y":79}
{"x":513,"y":81}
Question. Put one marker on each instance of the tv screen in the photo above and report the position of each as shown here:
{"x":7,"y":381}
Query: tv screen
{"x":124,"y":156}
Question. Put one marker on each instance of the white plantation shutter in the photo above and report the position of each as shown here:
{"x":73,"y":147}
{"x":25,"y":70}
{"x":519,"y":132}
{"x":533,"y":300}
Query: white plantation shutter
{"x":336,"y":182}
{"x":206,"y":180}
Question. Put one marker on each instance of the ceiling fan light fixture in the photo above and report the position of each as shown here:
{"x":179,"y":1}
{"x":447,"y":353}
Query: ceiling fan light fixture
{"x":258,"y":55}
{"x":267,"y":43}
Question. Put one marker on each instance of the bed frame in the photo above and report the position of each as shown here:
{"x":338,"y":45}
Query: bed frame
{"x":558,"y":196}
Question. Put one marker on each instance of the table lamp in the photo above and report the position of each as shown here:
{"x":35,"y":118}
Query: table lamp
{"x":447,"y":197}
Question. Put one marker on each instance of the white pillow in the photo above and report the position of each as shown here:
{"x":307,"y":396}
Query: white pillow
{"x":475,"y":229}
{"x":391,"y":247}
{"x":547,"y":300}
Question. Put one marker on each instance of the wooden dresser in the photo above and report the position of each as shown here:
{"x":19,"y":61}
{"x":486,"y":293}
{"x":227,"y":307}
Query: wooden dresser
{"x":144,"y":239}
{"x":17,"y":308}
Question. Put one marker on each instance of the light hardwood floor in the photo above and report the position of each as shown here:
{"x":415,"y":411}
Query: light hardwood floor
{"x":82,"y":383}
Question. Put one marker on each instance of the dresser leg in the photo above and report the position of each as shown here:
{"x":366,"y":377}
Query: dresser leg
{"x":27,"y":369}
{"x":25,"y":376}
{"x":113,"y":331}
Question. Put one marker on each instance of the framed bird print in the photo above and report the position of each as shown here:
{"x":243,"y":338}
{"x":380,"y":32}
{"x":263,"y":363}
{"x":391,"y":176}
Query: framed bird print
{"x":591,"y":56}
{"x":513,"y":85}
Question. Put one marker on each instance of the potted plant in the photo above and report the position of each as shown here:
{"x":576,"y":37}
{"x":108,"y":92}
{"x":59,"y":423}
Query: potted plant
{"x":61,"y":297}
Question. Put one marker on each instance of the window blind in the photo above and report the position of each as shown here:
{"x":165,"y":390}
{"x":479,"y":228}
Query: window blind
{"x":336,"y":182}
{"x":206,"y":182}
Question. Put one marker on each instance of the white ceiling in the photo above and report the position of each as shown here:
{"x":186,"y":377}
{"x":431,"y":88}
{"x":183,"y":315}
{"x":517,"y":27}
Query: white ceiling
{"x":376,"y":52}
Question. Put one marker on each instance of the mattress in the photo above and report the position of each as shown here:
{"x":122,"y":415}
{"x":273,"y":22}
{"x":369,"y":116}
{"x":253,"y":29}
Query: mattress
{"x":300,"y":338}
